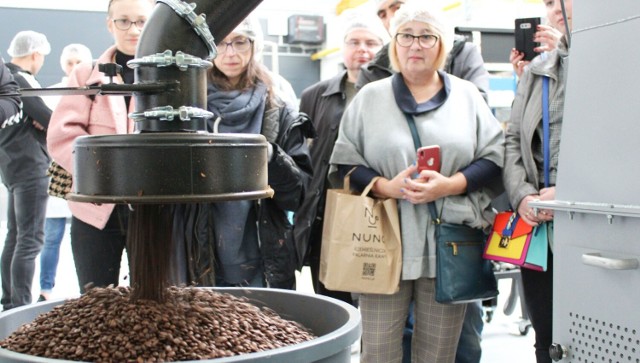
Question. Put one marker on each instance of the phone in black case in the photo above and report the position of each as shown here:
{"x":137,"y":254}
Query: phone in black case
{"x":525,"y":29}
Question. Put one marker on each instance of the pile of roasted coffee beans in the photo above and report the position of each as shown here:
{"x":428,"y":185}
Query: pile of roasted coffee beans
{"x":104,"y":325}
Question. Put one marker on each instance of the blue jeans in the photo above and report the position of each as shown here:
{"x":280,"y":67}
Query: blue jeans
{"x":53,"y":234}
{"x":469,"y":349}
{"x":256,"y":281}
{"x":26,"y":208}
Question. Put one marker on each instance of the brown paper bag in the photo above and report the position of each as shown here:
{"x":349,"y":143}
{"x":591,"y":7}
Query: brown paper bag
{"x":361,"y":245}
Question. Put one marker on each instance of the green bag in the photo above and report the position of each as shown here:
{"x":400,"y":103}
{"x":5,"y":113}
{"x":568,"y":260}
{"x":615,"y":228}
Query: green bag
{"x":462,"y":275}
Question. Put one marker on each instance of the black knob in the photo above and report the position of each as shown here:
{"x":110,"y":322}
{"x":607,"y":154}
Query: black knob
{"x":110,"y":70}
{"x":557,"y":352}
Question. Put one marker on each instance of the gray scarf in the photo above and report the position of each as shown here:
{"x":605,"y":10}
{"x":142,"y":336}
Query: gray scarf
{"x":236,"y":111}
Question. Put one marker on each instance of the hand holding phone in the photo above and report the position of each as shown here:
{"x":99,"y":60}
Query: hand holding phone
{"x":429,"y":158}
{"x":525,"y":30}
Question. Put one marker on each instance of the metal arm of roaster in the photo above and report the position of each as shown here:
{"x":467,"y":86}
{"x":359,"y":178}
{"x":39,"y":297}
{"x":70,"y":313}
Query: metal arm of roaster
{"x":105,"y":89}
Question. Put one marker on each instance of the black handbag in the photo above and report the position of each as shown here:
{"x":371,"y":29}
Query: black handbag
{"x":462,"y":275}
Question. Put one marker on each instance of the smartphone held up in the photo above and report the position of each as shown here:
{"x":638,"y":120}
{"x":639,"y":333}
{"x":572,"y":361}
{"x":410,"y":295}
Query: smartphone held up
{"x":525,"y":30}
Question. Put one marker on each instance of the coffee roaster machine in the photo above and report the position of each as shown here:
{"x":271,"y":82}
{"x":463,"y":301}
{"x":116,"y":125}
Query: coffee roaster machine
{"x":597,"y":207}
{"x":173,"y":159}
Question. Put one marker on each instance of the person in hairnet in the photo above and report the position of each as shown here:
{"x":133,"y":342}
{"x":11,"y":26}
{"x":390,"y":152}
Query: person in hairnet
{"x":58,"y":212}
{"x":325,"y":102}
{"x":23,"y":165}
{"x":99,"y":232}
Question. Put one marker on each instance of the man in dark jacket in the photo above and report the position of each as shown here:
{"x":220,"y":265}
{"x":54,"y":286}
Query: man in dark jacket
{"x":325,"y":102}
{"x":10,"y":107}
{"x":464,"y":61}
{"x":23,"y":165}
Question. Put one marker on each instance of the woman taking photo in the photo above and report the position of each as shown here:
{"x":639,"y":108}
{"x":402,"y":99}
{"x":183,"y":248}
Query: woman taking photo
{"x":375,"y":137}
{"x":524,"y":174}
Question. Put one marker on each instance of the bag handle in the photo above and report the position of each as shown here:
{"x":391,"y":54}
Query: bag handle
{"x":367,"y":189}
{"x":345,"y":184}
{"x":347,"y":187}
{"x":545,"y":128}
{"x":511,"y":225}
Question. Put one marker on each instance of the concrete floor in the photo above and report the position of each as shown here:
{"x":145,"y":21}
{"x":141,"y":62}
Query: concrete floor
{"x":501,"y":339}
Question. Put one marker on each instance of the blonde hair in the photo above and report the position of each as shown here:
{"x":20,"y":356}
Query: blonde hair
{"x":436,"y":22}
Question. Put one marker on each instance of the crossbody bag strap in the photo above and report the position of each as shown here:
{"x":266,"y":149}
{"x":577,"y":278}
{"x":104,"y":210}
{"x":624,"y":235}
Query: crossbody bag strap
{"x":545,"y":129}
{"x":416,"y":142}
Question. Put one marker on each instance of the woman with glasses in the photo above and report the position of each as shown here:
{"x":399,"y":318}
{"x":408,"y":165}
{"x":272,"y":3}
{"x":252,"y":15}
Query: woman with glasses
{"x":375,"y":137}
{"x":98,"y":232}
{"x":525,"y":177}
{"x":250,"y":242}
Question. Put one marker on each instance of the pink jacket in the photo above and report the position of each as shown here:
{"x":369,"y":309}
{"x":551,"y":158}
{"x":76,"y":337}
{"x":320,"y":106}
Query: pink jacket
{"x":79,"y":115}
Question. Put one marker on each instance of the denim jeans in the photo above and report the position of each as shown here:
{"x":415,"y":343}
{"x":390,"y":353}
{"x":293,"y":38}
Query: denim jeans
{"x":53,"y":234}
{"x":26,"y":208}
{"x":469,"y":349}
{"x":256,"y":281}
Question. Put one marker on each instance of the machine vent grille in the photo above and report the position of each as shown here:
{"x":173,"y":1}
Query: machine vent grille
{"x":596,"y":340}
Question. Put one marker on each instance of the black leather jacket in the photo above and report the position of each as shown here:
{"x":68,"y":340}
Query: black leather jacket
{"x":289,"y":173}
{"x":325,"y":103}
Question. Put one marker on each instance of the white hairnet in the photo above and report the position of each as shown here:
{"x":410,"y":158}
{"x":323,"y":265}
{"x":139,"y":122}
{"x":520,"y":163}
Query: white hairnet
{"x":250,"y":27}
{"x":28,"y":42}
{"x":416,"y":10}
{"x":75,"y":49}
{"x":354,"y":19}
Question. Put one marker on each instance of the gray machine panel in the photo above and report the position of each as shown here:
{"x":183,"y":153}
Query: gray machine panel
{"x":596,"y":316}
{"x":595,"y":307}
{"x":601,"y":129}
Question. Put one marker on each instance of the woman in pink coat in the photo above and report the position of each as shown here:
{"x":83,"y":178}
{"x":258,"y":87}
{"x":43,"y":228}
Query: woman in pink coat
{"x":98,"y":232}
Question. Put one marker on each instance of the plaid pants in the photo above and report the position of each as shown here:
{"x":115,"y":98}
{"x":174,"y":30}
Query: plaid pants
{"x":436,"y":330}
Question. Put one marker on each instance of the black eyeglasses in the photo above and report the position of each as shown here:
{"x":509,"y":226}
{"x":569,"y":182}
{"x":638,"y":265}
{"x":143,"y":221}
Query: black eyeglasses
{"x":125,"y":24}
{"x":239,"y":45}
{"x":425,"y":40}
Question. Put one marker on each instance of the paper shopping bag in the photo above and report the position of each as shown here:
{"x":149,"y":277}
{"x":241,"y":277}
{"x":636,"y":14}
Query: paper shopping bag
{"x":361,"y":246}
{"x":509,"y":239}
{"x":537,"y":253}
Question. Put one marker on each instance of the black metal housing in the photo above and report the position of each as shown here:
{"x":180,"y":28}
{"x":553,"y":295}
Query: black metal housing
{"x":170,"y":167}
